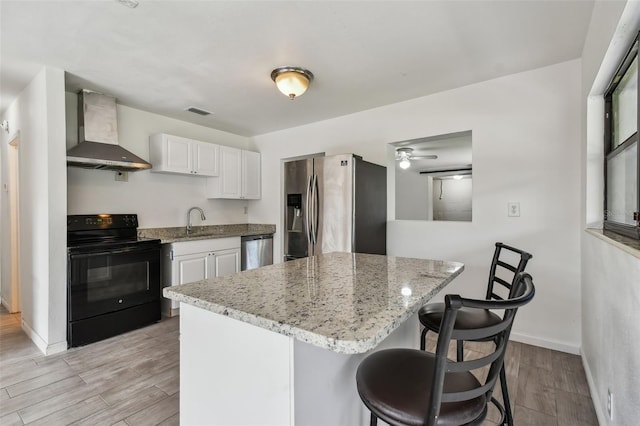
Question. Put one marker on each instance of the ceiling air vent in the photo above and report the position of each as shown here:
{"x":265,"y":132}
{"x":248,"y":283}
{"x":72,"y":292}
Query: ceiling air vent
{"x":198,"y":111}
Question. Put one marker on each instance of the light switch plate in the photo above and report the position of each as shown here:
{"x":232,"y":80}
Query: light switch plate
{"x":513,"y":209}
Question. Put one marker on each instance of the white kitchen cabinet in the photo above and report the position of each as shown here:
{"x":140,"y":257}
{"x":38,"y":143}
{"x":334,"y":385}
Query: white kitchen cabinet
{"x":239,"y":176}
{"x":189,"y":261}
{"x":226,"y":262}
{"x":175,"y":154}
{"x":251,"y":188}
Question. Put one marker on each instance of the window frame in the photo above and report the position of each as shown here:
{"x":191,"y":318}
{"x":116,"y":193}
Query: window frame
{"x":631,"y":231}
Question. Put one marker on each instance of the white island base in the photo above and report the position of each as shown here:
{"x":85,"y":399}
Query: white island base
{"x":235,"y":373}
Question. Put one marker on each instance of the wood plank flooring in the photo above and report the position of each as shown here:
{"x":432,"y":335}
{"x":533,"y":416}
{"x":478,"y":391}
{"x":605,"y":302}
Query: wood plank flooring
{"x":133,"y":379}
{"x":546,"y":388}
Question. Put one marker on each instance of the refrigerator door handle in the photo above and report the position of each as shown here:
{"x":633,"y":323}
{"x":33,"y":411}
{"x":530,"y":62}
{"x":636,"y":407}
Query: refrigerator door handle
{"x":307,"y":215}
{"x":312,"y":212}
{"x":316,"y":208}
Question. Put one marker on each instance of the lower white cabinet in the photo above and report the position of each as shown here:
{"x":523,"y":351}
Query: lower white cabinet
{"x":226,"y":262}
{"x":190,"y":261}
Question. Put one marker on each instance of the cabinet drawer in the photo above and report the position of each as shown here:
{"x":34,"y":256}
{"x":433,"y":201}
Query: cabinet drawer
{"x":197,"y":246}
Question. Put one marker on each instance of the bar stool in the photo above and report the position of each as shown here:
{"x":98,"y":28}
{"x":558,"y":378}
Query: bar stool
{"x":504,"y":272}
{"x":415,"y":387}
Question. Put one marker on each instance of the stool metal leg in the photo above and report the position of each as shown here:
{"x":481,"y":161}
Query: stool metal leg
{"x":505,"y":396}
{"x":374,"y":420}
{"x":460,"y":350}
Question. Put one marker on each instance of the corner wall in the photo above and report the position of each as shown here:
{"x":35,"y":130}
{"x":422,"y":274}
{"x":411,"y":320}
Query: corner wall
{"x":526,"y":143}
{"x":610,"y":276}
{"x":38,"y":114}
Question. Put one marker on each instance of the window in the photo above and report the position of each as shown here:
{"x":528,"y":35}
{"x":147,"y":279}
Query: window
{"x":621,"y":176}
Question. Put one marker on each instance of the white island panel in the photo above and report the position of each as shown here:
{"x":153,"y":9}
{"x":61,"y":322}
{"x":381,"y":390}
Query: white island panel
{"x":280,"y":345}
{"x":325,"y":381}
{"x":238,"y":374}
{"x":247,"y":375}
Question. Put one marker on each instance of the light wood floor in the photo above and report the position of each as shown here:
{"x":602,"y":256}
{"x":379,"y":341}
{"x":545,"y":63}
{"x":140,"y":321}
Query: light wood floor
{"x":129,"y":379}
{"x":133,"y":379}
{"x":546,"y":388}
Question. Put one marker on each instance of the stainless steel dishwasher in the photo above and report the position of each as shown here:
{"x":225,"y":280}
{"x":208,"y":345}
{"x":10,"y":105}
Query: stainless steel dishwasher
{"x":257,"y":251}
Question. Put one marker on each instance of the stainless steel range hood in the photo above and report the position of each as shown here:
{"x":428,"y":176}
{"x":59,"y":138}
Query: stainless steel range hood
{"x":98,"y":137}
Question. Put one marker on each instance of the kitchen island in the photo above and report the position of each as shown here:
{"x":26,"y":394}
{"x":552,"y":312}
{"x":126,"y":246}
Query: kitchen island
{"x":280,"y":345}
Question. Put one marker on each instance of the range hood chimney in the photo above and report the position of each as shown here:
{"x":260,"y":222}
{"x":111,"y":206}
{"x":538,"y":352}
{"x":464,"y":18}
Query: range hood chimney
{"x":98,"y":137}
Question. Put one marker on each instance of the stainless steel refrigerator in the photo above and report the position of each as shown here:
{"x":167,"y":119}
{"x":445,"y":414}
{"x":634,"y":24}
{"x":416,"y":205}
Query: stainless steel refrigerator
{"x":334,"y":203}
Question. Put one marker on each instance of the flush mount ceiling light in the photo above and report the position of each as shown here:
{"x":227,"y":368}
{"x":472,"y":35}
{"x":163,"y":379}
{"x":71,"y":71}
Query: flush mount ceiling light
{"x":292,"y":81}
{"x":404,"y":155}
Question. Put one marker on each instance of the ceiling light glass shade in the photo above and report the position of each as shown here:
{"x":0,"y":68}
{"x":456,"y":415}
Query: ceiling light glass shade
{"x":457,"y":177}
{"x":404,"y":163}
{"x":292,"y":81}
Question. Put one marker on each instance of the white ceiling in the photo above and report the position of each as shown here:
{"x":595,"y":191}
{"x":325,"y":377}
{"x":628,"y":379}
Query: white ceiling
{"x":164,"y":56}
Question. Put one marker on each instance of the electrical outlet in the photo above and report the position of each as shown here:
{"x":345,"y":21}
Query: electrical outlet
{"x":610,"y":403}
{"x":246,"y":210}
{"x":122,"y":176}
{"x":513,"y":209}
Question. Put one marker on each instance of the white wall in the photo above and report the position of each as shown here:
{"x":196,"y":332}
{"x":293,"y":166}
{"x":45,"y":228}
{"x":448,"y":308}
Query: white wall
{"x":610,"y":276}
{"x":413,"y":201}
{"x":159,"y":199}
{"x":526,"y":136}
{"x":38,"y":114}
{"x":452,"y":199}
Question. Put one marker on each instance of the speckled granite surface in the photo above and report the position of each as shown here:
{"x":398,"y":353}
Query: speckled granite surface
{"x":344,"y":302}
{"x":170,"y":235}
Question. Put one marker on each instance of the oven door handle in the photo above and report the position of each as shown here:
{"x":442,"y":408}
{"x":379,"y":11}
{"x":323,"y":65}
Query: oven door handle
{"x":110,"y":252}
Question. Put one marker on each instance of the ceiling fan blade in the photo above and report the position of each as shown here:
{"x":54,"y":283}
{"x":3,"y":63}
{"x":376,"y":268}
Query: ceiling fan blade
{"x":424,"y":157}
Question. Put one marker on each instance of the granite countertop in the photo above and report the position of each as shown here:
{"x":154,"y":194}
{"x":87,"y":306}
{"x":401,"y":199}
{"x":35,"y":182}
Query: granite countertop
{"x":175,"y":234}
{"x":343,"y":302}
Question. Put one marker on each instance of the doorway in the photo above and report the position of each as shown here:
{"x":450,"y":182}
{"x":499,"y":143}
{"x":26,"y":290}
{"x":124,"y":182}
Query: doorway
{"x":13,"y":198}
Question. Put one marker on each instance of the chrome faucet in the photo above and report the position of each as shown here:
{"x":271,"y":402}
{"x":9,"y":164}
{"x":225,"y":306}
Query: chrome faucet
{"x":202,"y":216}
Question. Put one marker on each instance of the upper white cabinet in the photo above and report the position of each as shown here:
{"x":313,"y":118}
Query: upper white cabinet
{"x":251,"y":175}
{"x":239,"y":175}
{"x":175,"y":154}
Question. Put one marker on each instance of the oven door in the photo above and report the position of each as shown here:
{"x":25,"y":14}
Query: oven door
{"x":102,"y":281}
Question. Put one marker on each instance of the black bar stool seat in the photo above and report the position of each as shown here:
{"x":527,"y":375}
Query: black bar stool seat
{"x":431,"y":317}
{"x":418,"y":388}
{"x":395,"y":385}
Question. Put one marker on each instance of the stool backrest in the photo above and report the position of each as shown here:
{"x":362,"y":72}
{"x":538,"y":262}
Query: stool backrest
{"x":508,"y":262}
{"x":522,"y":292}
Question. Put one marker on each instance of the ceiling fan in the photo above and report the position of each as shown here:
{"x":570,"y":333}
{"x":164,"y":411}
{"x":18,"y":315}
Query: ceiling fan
{"x":405,"y":155}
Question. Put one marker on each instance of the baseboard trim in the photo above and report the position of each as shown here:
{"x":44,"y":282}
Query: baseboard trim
{"x":44,"y":347}
{"x":602,"y":420}
{"x":545,"y":343}
{"x":35,"y":337}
